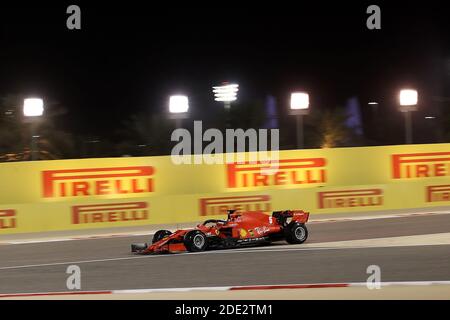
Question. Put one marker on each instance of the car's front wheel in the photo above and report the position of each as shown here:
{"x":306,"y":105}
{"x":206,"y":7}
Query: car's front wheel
{"x":296,"y":233}
{"x":195,"y":241}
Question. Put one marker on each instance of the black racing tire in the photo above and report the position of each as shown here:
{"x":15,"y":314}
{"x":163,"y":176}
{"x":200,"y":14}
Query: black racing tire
{"x":160,"y":234}
{"x":195,"y":241}
{"x":296,"y":233}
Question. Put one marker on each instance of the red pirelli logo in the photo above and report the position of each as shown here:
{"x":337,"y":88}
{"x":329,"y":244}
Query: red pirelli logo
{"x":290,"y":172}
{"x":420,"y":165}
{"x":97,"y":181}
{"x":438,"y":193}
{"x":114,"y":212}
{"x":350,"y":198}
{"x":220,"y":206}
{"x":8,"y":219}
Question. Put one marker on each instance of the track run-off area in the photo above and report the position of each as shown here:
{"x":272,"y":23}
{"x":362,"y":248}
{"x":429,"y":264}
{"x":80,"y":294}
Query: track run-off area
{"x":409,"y":249}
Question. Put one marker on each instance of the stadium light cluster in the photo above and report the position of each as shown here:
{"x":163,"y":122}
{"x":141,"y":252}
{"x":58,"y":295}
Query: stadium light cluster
{"x":226,"y":92}
{"x":408,"y":97}
{"x":299,"y":100}
{"x":33,"y":107}
{"x":178,"y":104}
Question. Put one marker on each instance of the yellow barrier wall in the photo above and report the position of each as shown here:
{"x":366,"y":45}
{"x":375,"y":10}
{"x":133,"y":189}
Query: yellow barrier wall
{"x":95,"y":193}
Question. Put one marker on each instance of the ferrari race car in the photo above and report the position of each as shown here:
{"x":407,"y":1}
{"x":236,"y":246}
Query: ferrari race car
{"x":240,"y":229}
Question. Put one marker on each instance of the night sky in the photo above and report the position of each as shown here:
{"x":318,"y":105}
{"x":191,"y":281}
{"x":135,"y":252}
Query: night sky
{"x":130,"y":56}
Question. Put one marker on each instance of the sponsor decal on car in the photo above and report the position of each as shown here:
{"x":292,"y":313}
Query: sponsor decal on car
{"x":350,"y":198}
{"x":420,"y":165}
{"x":111,"y":212}
{"x":262,"y":230}
{"x":437,"y":193}
{"x":97,"y":181}
{"x":8,"y":219}
{"x":289,"y":172}
{"x":221,"y":205}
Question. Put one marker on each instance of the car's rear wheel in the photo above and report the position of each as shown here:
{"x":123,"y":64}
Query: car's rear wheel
{"x":296,"y":233}
{"x":160,"y":235}
{"x":195,"y":241}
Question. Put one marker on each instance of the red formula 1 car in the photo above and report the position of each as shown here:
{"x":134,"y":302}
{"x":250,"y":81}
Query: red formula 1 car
{"x":240,"y":229}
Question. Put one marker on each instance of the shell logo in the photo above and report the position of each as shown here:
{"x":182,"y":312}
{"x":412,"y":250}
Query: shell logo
{"x":243,"y":233}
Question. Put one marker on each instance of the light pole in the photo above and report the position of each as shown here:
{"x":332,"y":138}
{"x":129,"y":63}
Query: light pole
{"x":226,"y":93}
{"x":408,"y":103}
{"x":178,"y":108}
{"x":374,"y":115}
{"x":299,"y":108}
{"x":374,"y":107}
{"x":33,"y":109}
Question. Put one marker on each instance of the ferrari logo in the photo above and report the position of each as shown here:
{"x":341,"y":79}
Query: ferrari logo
{"x":243,"y":233}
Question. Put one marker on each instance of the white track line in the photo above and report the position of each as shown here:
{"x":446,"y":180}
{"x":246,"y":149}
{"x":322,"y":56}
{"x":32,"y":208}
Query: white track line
{"x":73,"y":262}
{"x":232,"y":251}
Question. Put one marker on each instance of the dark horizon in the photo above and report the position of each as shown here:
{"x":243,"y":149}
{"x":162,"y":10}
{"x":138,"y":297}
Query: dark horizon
{"x":129,"y":59}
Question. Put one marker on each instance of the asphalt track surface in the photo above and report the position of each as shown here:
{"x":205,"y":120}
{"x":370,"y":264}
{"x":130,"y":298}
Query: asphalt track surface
{"x":107,"y":264}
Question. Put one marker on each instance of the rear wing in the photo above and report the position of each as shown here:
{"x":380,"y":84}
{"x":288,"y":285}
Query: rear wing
{"x":300,"y":216}
{"x":295,"y":215}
